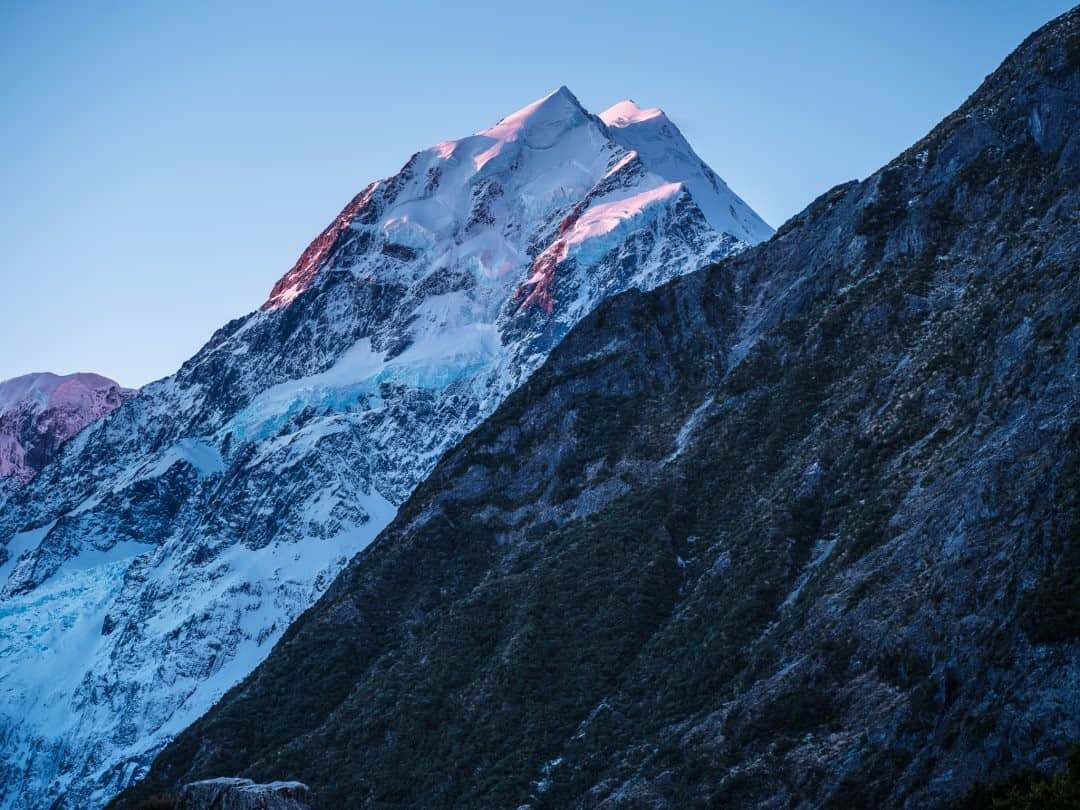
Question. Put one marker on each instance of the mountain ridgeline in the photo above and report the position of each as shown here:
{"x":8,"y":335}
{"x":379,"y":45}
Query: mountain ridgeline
{"x":800,"y":529}
{"x":157,"y":558}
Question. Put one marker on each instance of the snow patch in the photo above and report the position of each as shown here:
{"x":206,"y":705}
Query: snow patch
{"x":688,"y":428}
{"x":602,"y":219}
{"x":821,"y":551}
{"x":19,"y":545}
{"x":201,"y":455}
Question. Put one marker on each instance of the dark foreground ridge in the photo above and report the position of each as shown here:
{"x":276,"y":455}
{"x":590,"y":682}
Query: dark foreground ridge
{"x":800,"y":528}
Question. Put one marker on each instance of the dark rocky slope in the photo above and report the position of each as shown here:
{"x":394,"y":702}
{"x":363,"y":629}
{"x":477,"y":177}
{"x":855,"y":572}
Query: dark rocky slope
{"x":799,"y":530}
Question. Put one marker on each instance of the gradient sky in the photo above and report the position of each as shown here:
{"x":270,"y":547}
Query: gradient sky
{"x":163,"y":164}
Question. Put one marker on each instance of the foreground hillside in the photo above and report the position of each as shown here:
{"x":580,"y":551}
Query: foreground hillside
{"x":802,"y":529}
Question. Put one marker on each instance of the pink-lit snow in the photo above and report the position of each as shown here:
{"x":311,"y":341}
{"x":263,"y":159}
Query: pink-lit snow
{"x":627,"y":112}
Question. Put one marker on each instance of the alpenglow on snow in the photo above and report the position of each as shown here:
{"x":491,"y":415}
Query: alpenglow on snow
{"x":39,"y":412}
{"x":157,"y":559}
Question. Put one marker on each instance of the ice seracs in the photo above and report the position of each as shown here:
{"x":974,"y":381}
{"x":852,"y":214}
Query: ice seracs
{"x":190,"y":527}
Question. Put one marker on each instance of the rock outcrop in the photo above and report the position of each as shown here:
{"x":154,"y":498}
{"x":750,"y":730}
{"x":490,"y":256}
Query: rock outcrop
{"x":232,"y":793}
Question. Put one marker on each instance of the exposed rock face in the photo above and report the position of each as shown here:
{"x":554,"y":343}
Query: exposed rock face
{"x":39,"y":412}
{"x":158,"y":558}
{"x":799,"y":530}
{"x":243,"y":794}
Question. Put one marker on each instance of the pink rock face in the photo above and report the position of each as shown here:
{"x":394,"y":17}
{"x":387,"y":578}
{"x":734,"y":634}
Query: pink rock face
{"x":39,"y":412}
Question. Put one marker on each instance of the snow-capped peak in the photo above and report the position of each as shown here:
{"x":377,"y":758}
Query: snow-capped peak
{"x":480,"y":204}
{"x":539,"y":125}
{"x":540,"y":122}
{"x":627,"y":112}
{"x":39,"y":412}
{"x":46,"y":389}
{"x":664,"y":150}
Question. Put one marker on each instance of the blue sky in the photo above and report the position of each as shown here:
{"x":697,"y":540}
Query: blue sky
{"x":163,"y":164}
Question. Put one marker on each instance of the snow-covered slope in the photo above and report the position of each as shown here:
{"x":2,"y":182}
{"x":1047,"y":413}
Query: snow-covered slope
{"x":39,"y":412}
{"x":161,"y":555}
{"x":665,"y":151}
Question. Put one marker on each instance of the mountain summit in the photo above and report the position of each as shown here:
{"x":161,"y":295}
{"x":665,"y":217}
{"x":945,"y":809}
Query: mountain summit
{"x":167,"y":548}
{"x":483,"y":203}
{"x":39,"y":412}
{"x":661,"y":146}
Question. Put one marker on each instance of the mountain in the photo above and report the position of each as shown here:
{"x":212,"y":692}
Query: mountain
{"x":158,"y":558}
{"x":39,"y":412}
{"x":799,"y":530}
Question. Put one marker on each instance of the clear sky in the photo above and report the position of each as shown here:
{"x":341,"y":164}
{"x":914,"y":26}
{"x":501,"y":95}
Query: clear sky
{"x":162,"y":164}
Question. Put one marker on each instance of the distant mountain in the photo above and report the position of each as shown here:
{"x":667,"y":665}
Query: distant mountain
{"x":39,"y":412}
{"x":155,"y":562}
{"x":798,"y":530}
